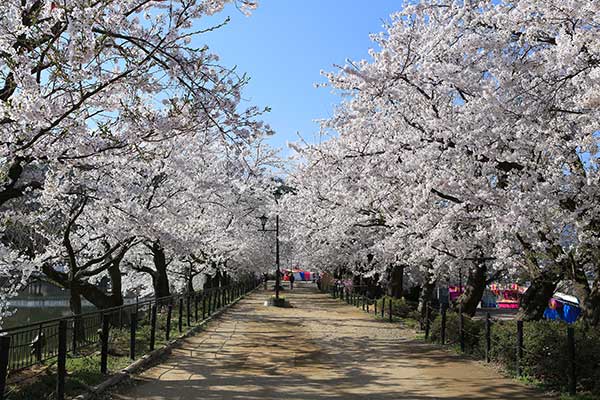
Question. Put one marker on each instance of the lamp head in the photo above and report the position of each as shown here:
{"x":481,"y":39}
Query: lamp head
{"x":263,"y":221}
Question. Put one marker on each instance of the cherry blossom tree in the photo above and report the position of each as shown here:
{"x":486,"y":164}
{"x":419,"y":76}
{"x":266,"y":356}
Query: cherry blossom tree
{"x":470,"y":140}
{"x":108,"y":117}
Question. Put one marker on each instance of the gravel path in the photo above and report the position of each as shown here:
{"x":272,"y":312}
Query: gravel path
{"x":320,"y":349}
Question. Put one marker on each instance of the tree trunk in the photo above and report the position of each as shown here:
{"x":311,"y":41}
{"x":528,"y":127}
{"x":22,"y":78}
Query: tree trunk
{"x":595,"y":302}
{"x":474,"y":289}
{"x":426,"y":294}
{"x":224,"y":279}
{"x":217,"y":279}
{"x":396,"y":282}
{"x":207,"y":282}
{"x":98,"y":297}
{"x":190,"y":284}
{"x":535,"y":299}
{"x":582,"y":291}
{"x":91,"y":293}
{"x":75,"y":298}
{"x":116,"y":285}
{"x":160,"y":279}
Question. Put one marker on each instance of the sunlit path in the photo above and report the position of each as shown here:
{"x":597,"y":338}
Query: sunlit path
{"x":320,"y":349}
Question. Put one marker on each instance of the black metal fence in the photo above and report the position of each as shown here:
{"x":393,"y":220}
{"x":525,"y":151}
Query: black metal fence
{"x":96,"y":339}
{"x":564,"y":356}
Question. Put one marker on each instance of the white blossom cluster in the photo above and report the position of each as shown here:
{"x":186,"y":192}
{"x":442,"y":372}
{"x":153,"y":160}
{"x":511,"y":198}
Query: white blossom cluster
{"x":470,"y":138}
{"x":121,"y":143}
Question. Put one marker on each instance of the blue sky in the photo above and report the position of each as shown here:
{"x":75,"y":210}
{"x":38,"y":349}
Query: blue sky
{"x":285,"y":44}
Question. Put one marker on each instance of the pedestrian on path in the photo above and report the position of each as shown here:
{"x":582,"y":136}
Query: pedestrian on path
{"x":292,"y":279}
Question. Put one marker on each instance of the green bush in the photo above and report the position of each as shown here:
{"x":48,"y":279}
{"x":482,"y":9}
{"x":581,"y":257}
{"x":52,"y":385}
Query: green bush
{"x":474,"y":332}
{"x":400,"y":308}
{"x":545,"y":356}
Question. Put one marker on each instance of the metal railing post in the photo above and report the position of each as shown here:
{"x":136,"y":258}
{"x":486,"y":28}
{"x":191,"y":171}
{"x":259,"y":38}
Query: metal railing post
{"x":519,"y":347}
{"x":104,"y":344}
{"x":132,"y":334}
{"x":443,"y":308}
{"x":488,"y":337}
{"x":180,"y":321}
{"x":61,"y":364}
{"x":153,"y":327}
{"x":168,"y":327}
{"x":427,"y":319}
{"x":4,"y":358}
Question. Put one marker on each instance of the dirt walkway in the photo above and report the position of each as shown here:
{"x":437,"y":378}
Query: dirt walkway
{"x":321,"y":349}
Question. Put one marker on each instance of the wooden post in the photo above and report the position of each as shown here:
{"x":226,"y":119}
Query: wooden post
{"x":571,"y":371}
{"x":519,"y":347}
{"x":363,"y":302}
{"x":104,"y":344}
{"x":168,"y":327}
{"x":461,"y":328}
{"x":4,"y":358}
{"x":383,"y":307}
{"x":180,"y":315}
{"x":61,"y":362}
{"x":375,"y":305}
{"x":132,"y":333}
{"x":488,"y":337}
{"x":443,"y":327}
{"x":391,"y":309}
{"x":203,"y":306}
{"x":427,"y":319}
{"x":153,"y":327}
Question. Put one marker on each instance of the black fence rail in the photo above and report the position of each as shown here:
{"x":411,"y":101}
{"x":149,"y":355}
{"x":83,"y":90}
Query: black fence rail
{"x":563,"y":357}
{"x":101,"y":341}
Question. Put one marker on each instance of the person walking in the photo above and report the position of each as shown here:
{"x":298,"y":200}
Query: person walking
{"x":292,"y":279}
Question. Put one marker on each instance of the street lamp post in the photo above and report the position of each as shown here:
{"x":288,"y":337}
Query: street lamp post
{"x":263,"y":221}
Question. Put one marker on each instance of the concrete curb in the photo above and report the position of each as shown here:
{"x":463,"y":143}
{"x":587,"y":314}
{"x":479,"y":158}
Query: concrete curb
{"x":147,"y":359}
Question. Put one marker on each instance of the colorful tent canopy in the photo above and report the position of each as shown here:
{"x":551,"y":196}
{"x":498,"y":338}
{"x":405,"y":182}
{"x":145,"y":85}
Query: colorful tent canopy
{"x":299,"y":275}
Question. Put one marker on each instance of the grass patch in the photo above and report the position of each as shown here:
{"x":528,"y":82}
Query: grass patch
{"x":83,"y":368}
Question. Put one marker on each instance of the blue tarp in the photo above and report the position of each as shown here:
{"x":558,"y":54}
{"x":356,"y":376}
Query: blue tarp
{"x":551,"y":314}
{"x":567,"y":313}
{"x":570,"y":313}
